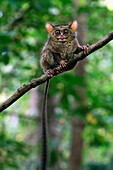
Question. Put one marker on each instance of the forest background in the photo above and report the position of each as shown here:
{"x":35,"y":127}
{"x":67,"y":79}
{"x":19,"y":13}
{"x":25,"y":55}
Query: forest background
{"x":80,"y":103}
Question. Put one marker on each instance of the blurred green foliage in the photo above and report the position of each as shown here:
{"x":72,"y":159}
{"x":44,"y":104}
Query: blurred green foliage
{"x":22,"y":36}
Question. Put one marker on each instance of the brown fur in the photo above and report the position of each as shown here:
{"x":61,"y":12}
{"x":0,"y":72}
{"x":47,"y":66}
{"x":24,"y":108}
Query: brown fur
{"x":57,"y":49}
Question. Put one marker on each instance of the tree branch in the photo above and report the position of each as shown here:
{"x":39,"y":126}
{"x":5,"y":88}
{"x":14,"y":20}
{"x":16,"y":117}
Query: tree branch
{"x":71,"y":63}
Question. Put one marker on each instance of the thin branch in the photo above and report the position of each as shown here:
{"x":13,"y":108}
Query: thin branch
{"x":71,"y":63}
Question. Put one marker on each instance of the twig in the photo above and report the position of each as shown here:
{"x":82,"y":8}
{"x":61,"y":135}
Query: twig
{"x":37,"y":81}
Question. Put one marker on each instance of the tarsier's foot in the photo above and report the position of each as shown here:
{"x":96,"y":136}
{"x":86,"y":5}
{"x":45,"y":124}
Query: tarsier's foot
{"x":85,"y":49}
{"x":49,"y":72}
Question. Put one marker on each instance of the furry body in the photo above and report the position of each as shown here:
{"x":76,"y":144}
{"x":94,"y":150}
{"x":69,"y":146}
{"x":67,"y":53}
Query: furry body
{"x":59,"y":47}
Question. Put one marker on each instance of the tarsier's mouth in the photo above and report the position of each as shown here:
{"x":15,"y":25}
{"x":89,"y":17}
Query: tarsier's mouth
{"x":62,"y":38}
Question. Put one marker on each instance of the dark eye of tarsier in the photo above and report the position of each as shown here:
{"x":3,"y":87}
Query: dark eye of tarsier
{"x":65,"y":31}
{"x":57,"y":32}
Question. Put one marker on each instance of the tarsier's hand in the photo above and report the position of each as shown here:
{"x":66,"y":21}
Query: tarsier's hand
{"x":85,"y":49}
{"x":63,"y":64}
{"x":59,"y":69}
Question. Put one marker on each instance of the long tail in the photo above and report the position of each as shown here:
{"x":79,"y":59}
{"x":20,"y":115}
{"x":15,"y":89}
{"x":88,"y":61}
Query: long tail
{"x":44,"y":130}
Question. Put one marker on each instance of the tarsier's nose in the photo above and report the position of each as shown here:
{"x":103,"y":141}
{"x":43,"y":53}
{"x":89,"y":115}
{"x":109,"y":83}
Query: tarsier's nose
{"x":61,"y":34}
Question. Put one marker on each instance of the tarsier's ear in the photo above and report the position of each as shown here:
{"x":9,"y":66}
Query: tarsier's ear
{"x":74,"y":25}
{"x":49,"y":27}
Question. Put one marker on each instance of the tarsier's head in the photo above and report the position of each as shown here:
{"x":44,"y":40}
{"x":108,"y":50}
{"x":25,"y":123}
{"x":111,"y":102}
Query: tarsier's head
{"x":62,"y":33}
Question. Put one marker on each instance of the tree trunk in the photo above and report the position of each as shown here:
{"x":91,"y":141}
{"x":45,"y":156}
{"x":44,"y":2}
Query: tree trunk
{"x":54,"y":130}
{"x":75,"y":161}
{"x":77,"y":144}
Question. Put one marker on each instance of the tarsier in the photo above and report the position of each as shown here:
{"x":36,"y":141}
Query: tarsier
{"x":61,"y":46}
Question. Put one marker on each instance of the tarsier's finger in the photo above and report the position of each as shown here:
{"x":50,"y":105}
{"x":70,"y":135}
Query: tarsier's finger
{"x":85,"y":48}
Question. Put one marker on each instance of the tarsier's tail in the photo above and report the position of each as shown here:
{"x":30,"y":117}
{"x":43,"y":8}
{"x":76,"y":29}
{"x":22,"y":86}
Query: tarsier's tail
{"x":44,"y":130}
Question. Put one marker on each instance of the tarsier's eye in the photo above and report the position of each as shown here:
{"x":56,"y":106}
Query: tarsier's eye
{"x":65,"y":31}
{"x":57,"y":32}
